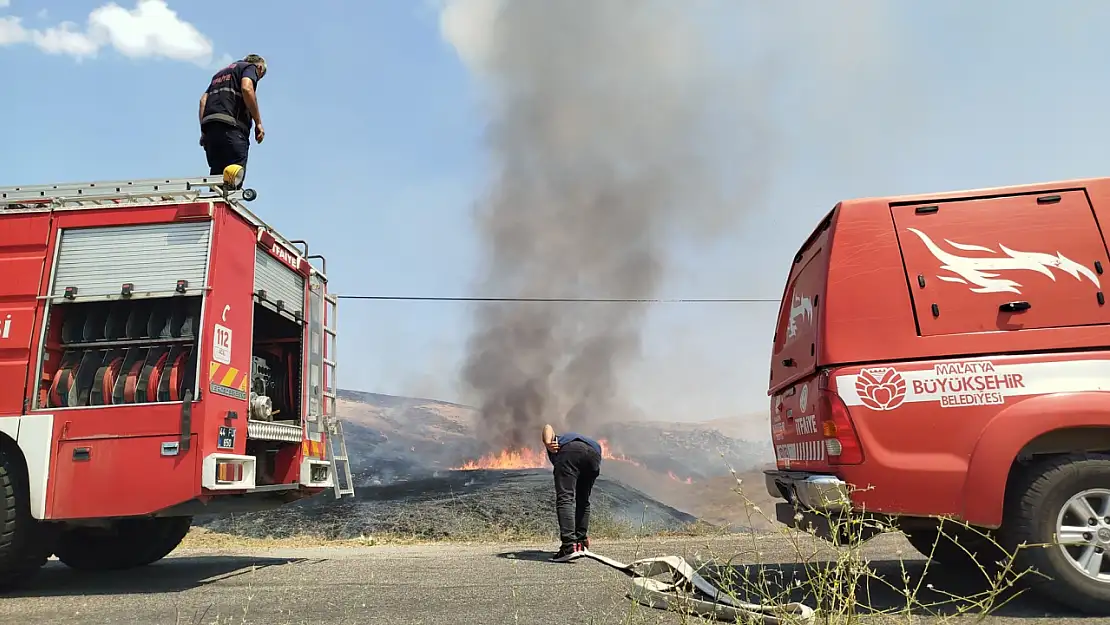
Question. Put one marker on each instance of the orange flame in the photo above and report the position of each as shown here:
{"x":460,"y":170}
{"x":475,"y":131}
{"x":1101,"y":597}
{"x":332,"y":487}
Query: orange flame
{"x":529,"y":458}
{"x":509,"y":459}
{"x":674,"y":477}
{"x":607,"y":454}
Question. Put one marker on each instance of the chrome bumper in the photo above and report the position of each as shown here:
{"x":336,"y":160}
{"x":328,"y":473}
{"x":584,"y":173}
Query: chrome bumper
{"x":816,"y":492}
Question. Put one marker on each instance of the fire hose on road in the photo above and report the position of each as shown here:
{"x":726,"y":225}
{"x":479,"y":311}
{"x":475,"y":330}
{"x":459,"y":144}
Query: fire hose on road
{"x":691,"y":593}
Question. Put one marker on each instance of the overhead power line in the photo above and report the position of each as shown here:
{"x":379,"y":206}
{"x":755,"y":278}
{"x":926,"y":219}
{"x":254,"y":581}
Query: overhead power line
{"x":588,"y":300}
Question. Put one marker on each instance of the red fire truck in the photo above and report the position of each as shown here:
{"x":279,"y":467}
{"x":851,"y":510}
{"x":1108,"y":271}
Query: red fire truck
{"x":163,"y":353}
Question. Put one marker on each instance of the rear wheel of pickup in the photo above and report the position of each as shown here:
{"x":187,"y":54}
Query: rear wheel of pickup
{"x":24,"y":546}
{"x":1063,"y":502}
{"x":126,"y":544}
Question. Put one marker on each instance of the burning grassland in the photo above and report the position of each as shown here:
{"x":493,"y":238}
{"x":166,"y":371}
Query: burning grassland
{"x":394,"y":438}
{"x":691,"y":450}
{"x":508,"y":459}
{"x":532,"y":458}
{"x":457,"y":505}
{"x":422,"y":474}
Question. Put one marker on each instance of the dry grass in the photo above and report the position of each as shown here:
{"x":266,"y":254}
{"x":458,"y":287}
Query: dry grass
{"x":200,"y":538}
{"x":844,"y":586}
{"x":839,"y":580}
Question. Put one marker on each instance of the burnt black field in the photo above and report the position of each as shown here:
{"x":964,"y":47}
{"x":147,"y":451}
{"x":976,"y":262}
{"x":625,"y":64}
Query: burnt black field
{"x":461,"y":505}
{"x":403,"y":449}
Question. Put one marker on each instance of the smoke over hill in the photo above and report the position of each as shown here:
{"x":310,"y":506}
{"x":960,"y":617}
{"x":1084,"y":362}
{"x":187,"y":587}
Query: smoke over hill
{"x":612,"y":133}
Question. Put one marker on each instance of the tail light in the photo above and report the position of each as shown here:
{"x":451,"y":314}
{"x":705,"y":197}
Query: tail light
{"x":229,"y":472}
{"x":842,"y":444}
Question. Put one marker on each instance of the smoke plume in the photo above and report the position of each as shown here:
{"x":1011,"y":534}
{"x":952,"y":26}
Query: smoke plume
{"x":614,"y":133}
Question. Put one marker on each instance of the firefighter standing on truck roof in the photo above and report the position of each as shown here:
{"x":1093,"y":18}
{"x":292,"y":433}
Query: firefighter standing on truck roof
{"x":226,"y":110}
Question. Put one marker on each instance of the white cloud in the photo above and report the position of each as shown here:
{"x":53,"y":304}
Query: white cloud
{"x":5,"y":4}
{"x":64,"y":39}
{"x":150,"y":30}
{"x":11,"y":31}
{"x":468,"y":25}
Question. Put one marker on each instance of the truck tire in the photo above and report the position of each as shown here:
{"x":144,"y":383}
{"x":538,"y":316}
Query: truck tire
{"x":127,"y":544}
{"x":981,"y":557}
{"x":1046,"y":495}
{"x":23,"y":544}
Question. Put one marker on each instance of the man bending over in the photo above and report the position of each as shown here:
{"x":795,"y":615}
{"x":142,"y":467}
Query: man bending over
{"x":577,"y":463}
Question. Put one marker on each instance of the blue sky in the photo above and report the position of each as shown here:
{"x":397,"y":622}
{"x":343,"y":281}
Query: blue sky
{"x":374,"y":150}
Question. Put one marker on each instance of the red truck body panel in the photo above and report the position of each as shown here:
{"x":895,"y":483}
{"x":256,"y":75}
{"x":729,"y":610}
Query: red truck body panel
{"x":116,"y":458}
{"x":947,"y":332}
{"x":24,"y":249}
{"x":117,"y":436}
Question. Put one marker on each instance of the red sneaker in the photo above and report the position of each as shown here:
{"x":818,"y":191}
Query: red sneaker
{"x":567,"y":552}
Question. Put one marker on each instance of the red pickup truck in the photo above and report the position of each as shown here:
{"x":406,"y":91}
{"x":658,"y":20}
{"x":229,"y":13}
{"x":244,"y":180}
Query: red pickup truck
{"x":948,"y":356}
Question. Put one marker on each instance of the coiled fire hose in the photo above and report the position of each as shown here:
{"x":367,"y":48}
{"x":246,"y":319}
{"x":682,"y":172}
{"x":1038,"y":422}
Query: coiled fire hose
{"x":690,"y":593}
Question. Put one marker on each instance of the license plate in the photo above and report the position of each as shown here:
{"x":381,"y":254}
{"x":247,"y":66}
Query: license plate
{"x":227,"y":438}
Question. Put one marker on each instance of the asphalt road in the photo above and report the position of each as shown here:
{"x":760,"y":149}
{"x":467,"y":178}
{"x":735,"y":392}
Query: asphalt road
{"x":439,"y":584}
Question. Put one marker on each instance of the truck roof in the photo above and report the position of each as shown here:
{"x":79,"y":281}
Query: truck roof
{"x":1033,"y":187}
{"x":112,"y":194}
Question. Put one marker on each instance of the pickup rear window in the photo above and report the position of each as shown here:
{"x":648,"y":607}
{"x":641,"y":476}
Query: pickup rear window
{"x":794,"y":353}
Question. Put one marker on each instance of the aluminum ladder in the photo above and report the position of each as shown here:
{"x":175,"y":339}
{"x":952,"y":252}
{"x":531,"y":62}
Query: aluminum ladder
{"x":113,"y":193}
{"x":337,"y":443}
{"x":124,"y":193}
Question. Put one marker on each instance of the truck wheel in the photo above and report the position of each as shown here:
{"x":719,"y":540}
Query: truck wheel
{"x":1063,"y":502}
{"x":24,"y":547}
{"x":980,"y":558}
{"x":127,"y":544}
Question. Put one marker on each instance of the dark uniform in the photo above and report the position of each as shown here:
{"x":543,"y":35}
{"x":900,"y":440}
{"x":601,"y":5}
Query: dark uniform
{"x":225,"y":123}
{"x":577,"y":465}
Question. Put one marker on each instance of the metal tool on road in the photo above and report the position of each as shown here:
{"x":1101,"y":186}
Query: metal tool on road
{"x":691,"y":593}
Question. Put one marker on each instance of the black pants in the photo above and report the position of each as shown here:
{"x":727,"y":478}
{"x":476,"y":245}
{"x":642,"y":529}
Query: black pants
{"x":577,"y":466}
{"x":225,"y":145}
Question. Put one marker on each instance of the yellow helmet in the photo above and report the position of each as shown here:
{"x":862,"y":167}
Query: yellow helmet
{"x":233,"y":176}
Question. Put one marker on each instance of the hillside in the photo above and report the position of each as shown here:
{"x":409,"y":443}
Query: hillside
{"x":405,"y":453}
{"x":685,"y":465}
{"x":390,"y":436}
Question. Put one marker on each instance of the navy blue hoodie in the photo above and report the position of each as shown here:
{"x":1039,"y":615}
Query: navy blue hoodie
{"x":563,"y":439}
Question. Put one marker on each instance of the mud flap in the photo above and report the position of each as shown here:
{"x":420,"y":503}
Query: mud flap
{"x":186,"y":421}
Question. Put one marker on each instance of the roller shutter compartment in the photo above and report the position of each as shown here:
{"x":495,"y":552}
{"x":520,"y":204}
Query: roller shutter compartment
{"x":152,"y":257}
{"x":281,"y":283}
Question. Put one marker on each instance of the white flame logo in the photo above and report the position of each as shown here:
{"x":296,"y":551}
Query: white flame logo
{"x":981,"y":273}
{"x":801,"y":307}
